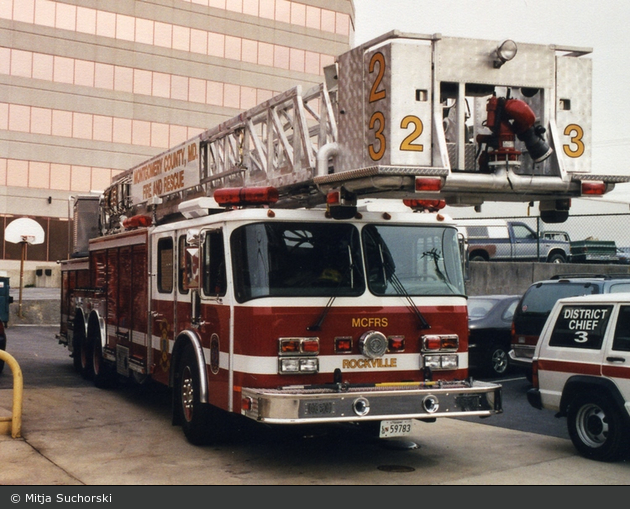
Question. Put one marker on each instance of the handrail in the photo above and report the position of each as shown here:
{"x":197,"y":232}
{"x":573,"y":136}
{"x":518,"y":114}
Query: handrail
{"x":13,"y":424}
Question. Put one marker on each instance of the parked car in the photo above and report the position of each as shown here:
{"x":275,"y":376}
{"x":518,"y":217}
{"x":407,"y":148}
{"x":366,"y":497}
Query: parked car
{"x":489,"y":325}
{"x":3,"y":343}
{"x":581,"y":370}
{"x":533,"y":310}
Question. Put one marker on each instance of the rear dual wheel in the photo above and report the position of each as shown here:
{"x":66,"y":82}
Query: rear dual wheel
{"x":102,"y":371}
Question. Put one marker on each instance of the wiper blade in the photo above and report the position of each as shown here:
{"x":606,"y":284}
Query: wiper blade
{"x":400,"y":289}
{"x":318,"y":324}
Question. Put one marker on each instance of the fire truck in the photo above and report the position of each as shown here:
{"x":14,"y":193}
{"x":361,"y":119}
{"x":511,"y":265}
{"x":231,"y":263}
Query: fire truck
{"x":294,"y":264}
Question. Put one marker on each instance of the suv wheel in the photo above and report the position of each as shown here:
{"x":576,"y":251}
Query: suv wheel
{"x":596,"y":428}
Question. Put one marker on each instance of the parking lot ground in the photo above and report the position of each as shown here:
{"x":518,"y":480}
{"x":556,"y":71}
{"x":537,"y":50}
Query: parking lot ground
{"x":76,"y":434}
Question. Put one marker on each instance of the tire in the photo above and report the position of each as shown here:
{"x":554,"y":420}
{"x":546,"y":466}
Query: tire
{"x":478,"y":257}
{"x":102,"y":372}
{"x":596,"y":428}
{"x":85,"y":359}
{"x":557,"y":258}
{"x":195,"y":417}
{"x":498,"y":362}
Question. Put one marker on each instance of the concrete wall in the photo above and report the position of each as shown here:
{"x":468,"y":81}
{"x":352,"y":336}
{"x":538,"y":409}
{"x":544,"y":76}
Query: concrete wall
{"x":507,"y":278}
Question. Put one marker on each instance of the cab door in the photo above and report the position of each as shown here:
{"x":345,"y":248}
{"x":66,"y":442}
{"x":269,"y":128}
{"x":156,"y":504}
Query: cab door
{"x":213,"y":317}
{"x":616,"y":363}
{"x":163,"y":303}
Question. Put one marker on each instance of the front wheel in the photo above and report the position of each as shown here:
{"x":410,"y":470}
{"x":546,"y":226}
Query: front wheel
{"x":193,"y":414}
{"x":557,"y":258}
{"x":596,"y":428}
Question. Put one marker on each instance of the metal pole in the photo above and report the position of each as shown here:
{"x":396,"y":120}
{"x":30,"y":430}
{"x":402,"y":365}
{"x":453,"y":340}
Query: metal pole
{"x":21,"y":276}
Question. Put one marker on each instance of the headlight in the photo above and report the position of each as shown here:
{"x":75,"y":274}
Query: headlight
{"x":442,"y":361}
{"x":301,"y":365}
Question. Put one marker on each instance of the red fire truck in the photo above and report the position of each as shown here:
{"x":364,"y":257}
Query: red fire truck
{"x":294,"y":265}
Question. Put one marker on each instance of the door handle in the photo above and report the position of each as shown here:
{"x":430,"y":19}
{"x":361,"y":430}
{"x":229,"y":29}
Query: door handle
{"x":615,"y":359}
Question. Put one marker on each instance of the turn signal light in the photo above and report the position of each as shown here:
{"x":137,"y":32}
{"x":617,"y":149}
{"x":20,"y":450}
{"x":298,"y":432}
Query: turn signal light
{"x":343,"y":344}
{"x":297,"y":346}
{"x":396,"y":343}
{"x":433,"y":184}
{"x":593,"y":187}
{"x":444,"y":342}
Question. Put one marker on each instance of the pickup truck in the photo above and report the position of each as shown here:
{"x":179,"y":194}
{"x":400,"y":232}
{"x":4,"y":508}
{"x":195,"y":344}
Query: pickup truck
{"x":500,"y":240}
{"x":589,"y":250}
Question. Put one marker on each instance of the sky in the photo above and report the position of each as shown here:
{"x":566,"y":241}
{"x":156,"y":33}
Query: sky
{"x":603,"y":26}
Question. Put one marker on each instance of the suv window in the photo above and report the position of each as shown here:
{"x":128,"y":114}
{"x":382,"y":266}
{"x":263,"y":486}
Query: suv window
{"x":581,"y":326}
{"x":538,"y":301}
{"x":621,"y":341}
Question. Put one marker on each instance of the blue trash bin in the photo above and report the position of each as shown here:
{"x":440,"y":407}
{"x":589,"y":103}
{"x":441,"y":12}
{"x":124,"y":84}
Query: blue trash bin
{"x":5,"y":299}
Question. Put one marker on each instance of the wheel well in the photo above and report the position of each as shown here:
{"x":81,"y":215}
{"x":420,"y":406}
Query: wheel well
{"x":478,"y":252}
{"x":555,"y":252}
{"x":578,"y":385}
{"x":183,"y":339}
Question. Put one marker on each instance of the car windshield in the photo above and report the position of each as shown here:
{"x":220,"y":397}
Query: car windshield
{"x":300,"y":259}
{"x":478,"y":308}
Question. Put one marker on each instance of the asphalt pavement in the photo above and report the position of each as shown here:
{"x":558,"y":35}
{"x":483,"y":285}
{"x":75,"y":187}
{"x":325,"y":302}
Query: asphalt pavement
{"x":74,"y":434}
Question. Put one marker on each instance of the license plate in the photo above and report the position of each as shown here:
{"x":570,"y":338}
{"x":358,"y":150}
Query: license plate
{"x":395,"y":428}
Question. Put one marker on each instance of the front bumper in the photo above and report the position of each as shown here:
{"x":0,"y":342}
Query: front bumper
{"x":347,"y":403}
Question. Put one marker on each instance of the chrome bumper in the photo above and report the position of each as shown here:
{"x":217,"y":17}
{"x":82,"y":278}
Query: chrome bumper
{"x":346,"y":403}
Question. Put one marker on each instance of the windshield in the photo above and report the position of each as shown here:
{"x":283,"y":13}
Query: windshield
{"x":297,"y":260}
{"x":324,"y":260}
{"x":418,"y":260}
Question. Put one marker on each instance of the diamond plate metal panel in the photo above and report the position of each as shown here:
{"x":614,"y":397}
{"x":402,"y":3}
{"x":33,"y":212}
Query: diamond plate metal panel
{"x":574,"y":112}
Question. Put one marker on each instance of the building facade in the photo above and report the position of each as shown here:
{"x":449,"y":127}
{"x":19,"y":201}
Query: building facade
{"x":89,"y":88}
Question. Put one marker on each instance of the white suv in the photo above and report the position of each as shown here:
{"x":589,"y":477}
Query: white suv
{"x":581,"y":369}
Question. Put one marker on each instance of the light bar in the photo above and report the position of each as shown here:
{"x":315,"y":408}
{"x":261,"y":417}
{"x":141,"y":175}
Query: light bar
{"x":137,"y":222}
{"x":241,"y":196}
{"x":422,"y":205}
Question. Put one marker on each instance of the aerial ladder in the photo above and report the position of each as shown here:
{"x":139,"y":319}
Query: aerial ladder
{"x":434,"y":120}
